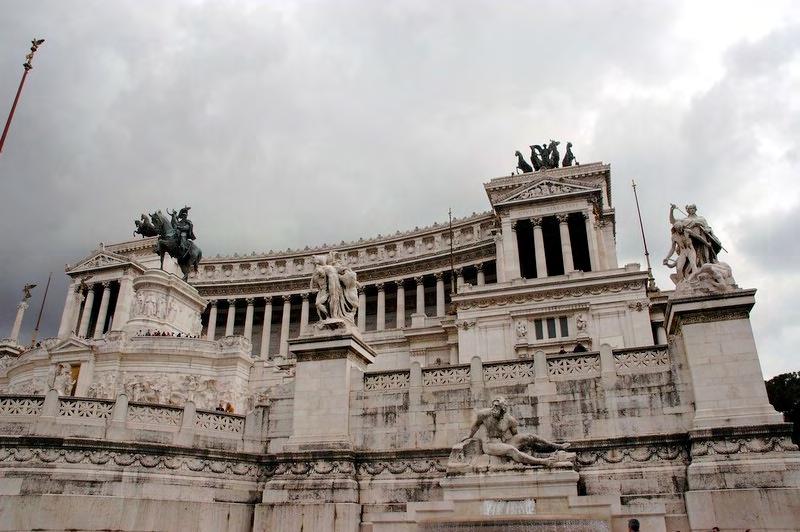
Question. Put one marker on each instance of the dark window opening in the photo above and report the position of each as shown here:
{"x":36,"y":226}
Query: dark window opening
{"x":579,"y":241}
{"x":552,"y":246}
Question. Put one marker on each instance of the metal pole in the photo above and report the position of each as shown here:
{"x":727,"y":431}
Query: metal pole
{"x":651,"y":282}
{"x":39,"y":319}
{"x":13,"y":108}
{"x":28,"y":65}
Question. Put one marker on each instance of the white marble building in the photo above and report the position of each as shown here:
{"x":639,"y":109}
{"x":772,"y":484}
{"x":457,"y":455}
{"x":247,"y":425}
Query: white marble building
{"x":662,"y":396}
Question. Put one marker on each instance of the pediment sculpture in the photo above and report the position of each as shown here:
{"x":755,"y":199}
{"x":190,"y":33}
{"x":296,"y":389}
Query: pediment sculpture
{"x":505,"y":448}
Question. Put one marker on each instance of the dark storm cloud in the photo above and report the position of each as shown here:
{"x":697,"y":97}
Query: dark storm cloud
{"x":259,"y":114}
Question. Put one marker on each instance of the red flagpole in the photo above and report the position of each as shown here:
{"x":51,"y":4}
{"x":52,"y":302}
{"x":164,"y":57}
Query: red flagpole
{"x":27,"y":65}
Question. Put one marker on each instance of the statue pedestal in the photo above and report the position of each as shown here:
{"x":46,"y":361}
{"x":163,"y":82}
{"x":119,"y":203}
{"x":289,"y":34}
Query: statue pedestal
{"x":163,"y":302}
{"x":325,"y":365}
{"x":714,"y":334}
{"x":315,"y":486}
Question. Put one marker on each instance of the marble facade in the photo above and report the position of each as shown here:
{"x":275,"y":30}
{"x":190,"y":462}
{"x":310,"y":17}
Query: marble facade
{"x":660,"y":393}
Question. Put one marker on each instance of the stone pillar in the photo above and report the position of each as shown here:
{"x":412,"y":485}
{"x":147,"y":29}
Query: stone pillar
{"x":103,"y":314}
{"x":439,"y":293}
{"x":481,"y":276}
{"x":538,"y":248}
{"x":248,"y":319}
{"x":401,"y":304}
{"x":231,"y":317}
{"x":266,"y":330}
{"x":381,"y":318}
{"x":420,"y":280}
{"x":87,"y":312}
{"x":122,"y":311}
{"x":510,"y":251}
{"x":212,"y":320}
{"x":661,"y":335}
{"x":566,"y":244}
{"x":362,"y":309}
{"x":21,"y":308}
{"x":287,"y":308}
{"x":592,"y":240}
{"x":459,"y":279}
{"x":76,"y":315}
{"x":304,"y":312}
{"x":65,"y":327}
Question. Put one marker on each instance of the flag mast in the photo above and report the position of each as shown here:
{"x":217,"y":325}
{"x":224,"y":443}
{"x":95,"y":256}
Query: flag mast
{"x":27,"y":65}
{"x":39,"y":319}
{"x":651,"y":282}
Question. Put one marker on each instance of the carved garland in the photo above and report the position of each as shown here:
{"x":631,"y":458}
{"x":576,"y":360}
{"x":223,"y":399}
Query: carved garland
{"x":645,"y":453}
{"x":758,"y":444}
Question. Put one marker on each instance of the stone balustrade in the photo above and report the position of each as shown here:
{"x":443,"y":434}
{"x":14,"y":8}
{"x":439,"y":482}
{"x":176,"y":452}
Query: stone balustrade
{"x":121,"y":420}
{"x":559,"y":367}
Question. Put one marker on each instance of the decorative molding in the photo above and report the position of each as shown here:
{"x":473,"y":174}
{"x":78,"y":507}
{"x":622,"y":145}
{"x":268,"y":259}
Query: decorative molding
{"x":445,"y":376}
{"x":507,"y":372}
{"x":583,"y":366}
{"x":390,"y":380}
{"x":500,"y":300}
{"x":630,"y":361}
{"x":634,"y":454}
{"x":753,"y":444}
{"x":398,"y":467}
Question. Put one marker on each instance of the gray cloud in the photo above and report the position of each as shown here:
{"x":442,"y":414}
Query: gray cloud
{"x":256,"y":114}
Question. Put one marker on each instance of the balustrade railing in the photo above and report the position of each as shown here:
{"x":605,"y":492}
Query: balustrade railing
{"x":573,"y":366}
{"x":387,"y":380}
{"x":442,"y":376}
{"x":123,"y":421}
{"x":640,"y":360}
{"x":508,"y":372}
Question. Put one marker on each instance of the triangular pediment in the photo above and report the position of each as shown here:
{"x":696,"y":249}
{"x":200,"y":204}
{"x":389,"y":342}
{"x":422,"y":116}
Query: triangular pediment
{"x":102,"y":260}
{"x":70,"y":345}
{"x":544,"y":188}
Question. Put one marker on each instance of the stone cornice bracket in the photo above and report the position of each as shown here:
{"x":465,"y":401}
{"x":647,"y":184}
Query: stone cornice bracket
{"x":465,"y":325}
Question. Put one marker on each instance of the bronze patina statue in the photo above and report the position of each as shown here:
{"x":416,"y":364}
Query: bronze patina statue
{"x":545,"y":156}
{"x":175,"y":237}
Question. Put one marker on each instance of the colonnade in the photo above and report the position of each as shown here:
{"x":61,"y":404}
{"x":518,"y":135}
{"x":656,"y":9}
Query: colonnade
{"x":285,"y":324}
{"x":512,"y":251}
{"x":79,"y":316}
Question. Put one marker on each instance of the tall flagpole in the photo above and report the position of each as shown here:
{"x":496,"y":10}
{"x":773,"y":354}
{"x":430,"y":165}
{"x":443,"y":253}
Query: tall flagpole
{"x":28,"y":65}
{"x":651,"y":282}
{"x":39,"y":319}
{"x":453,"y":284}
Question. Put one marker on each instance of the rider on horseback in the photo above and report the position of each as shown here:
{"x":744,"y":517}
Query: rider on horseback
{"x":185,"y":228}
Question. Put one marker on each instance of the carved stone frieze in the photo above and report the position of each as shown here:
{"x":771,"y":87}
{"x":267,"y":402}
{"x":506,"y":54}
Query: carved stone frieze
{"x":416,"y":466}
{"x":633,"y":454}
{"x":754,"y":444}
{"x":500,"y":300}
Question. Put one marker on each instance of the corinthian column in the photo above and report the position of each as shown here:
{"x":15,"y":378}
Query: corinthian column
{"x":362,"y":309}
{"x":420,"y":280}
{"x":122,"y":312}
{"x":401,"y":305}
{"x":459,"y":279}
{"x":284,"y":340}
{"x":103,"y":314}
{"x":87,"y":312}
{"x":510,"y":251}
{"x":381,"y":324}
{"x":67,"y":315}
{"x":212,"y":320}
{"x":266,"y":331}
{"x":566,"y":245}
{"x":538,"y":248}
{"x":304,"y":312}
{"x":592,"y":238}
{"x":248,"y":319}
{"x":21,"y":308}
{"x":481,"y":276}
{"x":439,"y":293}
{"x":231,"y":317}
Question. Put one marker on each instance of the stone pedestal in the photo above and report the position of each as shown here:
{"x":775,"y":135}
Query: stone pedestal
{"x":314,"y":486}
{"x":714,"y":333}
{"x":163,"y":302}
{"x":325,"y":364}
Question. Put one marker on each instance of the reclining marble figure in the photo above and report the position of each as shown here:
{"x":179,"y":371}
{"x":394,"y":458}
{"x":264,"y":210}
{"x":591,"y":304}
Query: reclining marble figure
{"x":504,"y":442}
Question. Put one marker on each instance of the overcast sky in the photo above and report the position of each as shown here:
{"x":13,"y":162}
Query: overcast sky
{"x":291,"y":124}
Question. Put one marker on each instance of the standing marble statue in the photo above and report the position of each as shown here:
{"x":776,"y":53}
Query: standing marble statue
{"x":63,"y":381}
{"x":695,"y":248}
{"x":336,"y":289}
{"x":504,"y":442}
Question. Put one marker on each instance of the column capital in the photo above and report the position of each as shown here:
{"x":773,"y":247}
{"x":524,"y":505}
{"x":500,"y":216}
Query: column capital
{"x":77,"y":288}
{"x":479,"y":266}
{"x":361,"y":289}
{"x":212,"y":303}
{"x":439,"y":276}
{"x":562,"y":218}
{"x":514,"y":225}
{"x":459,"y":271}
{"x":379,"y":287}
{"x":232,"y":302}
{"x":287,"y":298}
{"x":536,"y":221}
{"x":267,"y":300}
{"x":250,"y":301}
{"x":400,"y":283}
{"x":304,"y":296}
{"x":106,"y":285}
{"x":585,"y":215}
{"x":419,"y":279}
